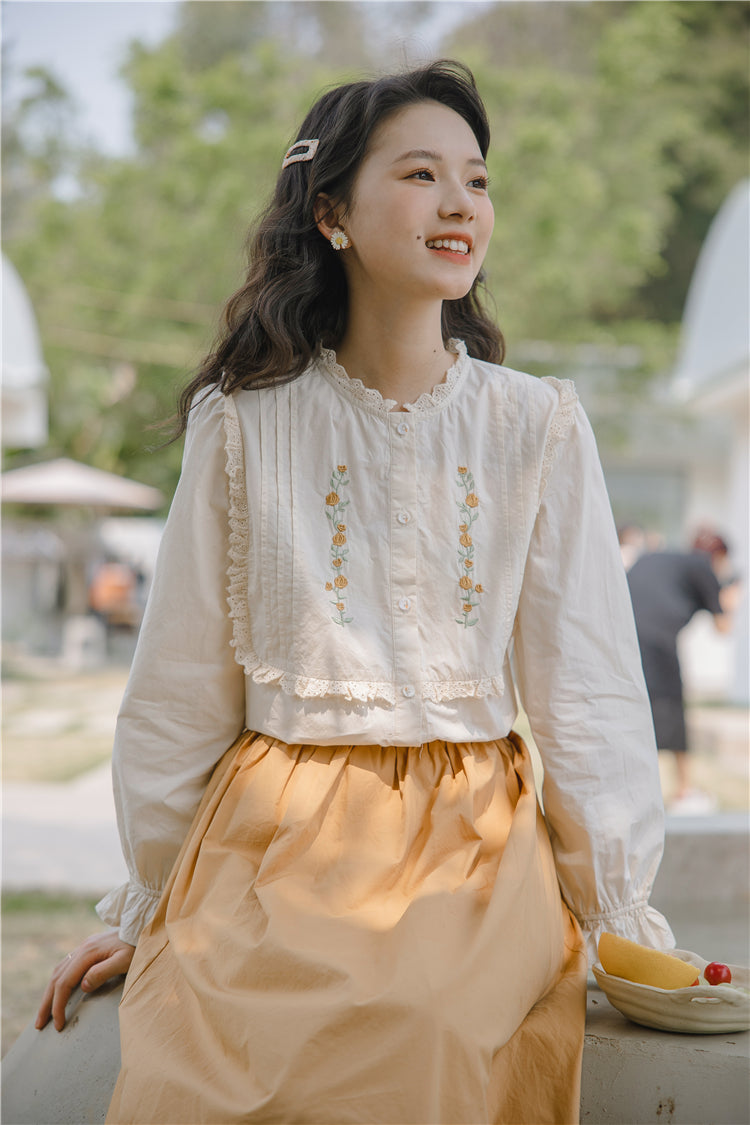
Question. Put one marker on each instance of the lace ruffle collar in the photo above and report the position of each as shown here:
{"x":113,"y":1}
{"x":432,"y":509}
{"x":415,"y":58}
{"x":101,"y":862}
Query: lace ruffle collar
{"x":373,"y":400}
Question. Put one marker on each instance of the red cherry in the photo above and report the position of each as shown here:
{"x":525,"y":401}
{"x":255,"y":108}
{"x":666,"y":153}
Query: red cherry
{"x":716,"y":973}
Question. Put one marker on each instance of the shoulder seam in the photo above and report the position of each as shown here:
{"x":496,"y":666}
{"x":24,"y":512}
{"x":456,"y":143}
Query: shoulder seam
{"x":559,"y":427}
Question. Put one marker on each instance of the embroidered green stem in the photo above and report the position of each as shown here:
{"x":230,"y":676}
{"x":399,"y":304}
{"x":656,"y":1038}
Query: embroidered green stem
{"x":335,"y":505}
{"x":469,"y":591}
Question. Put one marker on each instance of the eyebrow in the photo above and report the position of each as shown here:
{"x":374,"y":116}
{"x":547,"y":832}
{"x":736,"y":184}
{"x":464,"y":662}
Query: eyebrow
{"x":428,"y":154}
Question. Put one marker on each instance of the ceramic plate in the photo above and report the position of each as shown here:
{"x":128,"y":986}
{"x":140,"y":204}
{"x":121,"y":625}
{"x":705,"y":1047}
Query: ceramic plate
{"x":703,"y":1010}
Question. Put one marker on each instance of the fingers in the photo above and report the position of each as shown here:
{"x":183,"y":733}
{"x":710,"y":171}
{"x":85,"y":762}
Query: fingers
{"x":91,"y":964}
{"x":45,"y":1008}
{"x":118,"y":963}
{"x":64,"y":987}
{"x":61,"y":970}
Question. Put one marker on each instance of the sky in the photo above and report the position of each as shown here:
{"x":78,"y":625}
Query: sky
{"x":83,"y":42}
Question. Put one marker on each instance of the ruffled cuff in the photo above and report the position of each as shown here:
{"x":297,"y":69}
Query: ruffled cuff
{"x":641,"y":923}
{"x":130,"y":908}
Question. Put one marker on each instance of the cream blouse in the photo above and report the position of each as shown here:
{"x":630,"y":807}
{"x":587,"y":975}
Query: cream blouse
{"x":336,"y":572}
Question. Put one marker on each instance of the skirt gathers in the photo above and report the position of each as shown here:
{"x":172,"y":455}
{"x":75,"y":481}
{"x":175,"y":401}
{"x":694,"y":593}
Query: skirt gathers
{"x":358,"y":934}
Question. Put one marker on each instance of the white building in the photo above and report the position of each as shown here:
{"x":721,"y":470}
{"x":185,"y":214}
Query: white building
{"x":712,"y":380}
{"x":24,"y":372}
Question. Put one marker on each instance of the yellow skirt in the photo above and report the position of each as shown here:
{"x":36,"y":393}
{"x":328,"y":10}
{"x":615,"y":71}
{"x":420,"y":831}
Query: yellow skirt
{"x":358,"y":934}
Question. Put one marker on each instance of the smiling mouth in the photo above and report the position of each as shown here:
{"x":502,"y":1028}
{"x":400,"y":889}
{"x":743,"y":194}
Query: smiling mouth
{"x":457,"y":245}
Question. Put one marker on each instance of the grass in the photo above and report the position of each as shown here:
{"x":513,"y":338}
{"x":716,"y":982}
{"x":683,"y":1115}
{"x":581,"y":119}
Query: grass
{"x":38,"y":931}
{"x":57,"y":726}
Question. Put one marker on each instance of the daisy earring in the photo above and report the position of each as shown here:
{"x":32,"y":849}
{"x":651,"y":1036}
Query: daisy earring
{"x":340,"y":239}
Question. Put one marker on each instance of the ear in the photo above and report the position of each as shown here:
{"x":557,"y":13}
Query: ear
{"x":327,"y":215}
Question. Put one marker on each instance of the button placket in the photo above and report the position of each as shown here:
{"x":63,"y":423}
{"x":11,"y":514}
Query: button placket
{"x":404,"y":507}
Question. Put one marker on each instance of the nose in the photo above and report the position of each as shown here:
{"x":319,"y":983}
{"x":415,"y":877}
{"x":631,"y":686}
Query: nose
{"x":457,"y":202}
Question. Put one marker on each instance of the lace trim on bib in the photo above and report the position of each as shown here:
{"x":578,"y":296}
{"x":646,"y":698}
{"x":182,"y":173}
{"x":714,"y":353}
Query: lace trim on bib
{"x":441,"y":691}
{"x":559,"y":427}
{"x":368,"y":396}
{"x":239,"y":540}
{"x":305,"y":687}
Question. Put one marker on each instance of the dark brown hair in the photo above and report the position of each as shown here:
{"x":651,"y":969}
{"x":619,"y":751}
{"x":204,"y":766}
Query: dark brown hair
{"x":295,"y":298}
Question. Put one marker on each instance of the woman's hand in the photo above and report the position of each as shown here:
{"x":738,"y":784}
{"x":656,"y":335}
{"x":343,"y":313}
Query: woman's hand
{"x":94,"y":961}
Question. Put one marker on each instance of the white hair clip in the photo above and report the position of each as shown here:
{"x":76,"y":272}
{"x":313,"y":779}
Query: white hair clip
{"x":300,"y":150}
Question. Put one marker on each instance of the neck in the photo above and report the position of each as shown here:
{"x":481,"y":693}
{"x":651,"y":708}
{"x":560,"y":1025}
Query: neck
{"x":398,"y":352}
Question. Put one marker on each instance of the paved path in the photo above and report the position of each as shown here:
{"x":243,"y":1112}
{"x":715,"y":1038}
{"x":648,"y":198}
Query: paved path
{"x":62,"y":836}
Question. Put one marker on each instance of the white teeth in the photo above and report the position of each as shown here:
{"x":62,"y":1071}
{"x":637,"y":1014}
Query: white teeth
{"x":455,"y":244}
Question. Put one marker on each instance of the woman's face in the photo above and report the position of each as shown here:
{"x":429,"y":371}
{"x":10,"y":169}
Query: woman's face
{"x":420,"y":219}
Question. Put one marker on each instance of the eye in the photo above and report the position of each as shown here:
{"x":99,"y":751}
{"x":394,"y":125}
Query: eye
{"x":481,"y":182}
{"x":422,"y":174}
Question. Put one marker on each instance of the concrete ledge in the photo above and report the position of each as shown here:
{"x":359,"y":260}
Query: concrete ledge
{"x":67,"y":1077}
{"x":706,"y":859}
{"x":635,"y":1076}
{"x":630,"y":1074}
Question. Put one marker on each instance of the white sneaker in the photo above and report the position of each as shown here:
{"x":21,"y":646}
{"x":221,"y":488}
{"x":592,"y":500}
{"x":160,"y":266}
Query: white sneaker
{"x":695,"y":802}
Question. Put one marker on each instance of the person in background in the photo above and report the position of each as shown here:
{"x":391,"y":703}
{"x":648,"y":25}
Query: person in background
{"x":667,"y":589}
{"x":632,"y":540}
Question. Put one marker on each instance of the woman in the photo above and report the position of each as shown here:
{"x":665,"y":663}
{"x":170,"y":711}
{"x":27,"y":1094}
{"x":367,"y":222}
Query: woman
{"x":365,"y":921}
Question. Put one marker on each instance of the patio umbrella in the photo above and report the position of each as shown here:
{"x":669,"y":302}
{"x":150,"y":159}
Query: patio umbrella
{"x":73,"y":484}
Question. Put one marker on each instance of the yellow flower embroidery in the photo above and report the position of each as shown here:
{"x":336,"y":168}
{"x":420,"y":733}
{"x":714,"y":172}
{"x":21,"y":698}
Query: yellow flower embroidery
{"x":339,"y":555}
{"x":469,"y":514}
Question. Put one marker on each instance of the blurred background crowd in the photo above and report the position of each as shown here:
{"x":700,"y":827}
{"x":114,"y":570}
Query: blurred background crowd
{"x":619,"y":259}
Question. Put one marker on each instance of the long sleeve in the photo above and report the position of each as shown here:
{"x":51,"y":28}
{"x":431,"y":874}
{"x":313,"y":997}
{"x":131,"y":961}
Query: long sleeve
{"x":579,"y":675}
{"x":184,"y":704}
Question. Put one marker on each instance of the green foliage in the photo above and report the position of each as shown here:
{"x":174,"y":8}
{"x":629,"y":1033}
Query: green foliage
{"x":618,"y":128}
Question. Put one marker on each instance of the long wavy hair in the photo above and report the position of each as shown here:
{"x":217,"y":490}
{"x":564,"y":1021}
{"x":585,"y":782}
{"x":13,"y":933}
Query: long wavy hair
{"x":295,"y":299}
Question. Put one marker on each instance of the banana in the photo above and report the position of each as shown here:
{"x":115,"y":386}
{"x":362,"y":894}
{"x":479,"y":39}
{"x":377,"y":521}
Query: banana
{"x":627,"y":959}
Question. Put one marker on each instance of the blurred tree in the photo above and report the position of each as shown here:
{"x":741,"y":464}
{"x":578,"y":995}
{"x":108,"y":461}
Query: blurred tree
{"x":134,"y":270}
{"x":353,"y":35}
{"x":40,"y":148}
{"x":618,"y":129}
{"x":711,"y":81}
{"x":606,"y":134}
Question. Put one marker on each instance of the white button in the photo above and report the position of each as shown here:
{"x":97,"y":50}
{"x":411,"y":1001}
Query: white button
{"x":407,"y":692}
{"x":404,"y":604}
{"x":403,"y":517}
{"x":402,"y":428}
